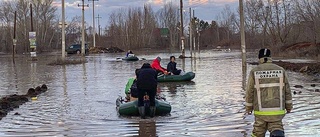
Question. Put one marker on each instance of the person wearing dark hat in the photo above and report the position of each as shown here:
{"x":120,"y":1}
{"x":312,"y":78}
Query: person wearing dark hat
{"x":268,"y":95}
{"x":147,"y":83}
{"x":156,"y":65}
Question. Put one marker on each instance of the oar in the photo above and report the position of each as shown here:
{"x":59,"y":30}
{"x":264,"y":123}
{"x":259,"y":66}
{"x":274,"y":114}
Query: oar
{"x":118,"y":58}
{"x":143,"y":58}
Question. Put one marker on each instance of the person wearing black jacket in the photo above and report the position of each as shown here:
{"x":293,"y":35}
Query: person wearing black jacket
{"x":147,"y":83}
{"x":172,"y":66}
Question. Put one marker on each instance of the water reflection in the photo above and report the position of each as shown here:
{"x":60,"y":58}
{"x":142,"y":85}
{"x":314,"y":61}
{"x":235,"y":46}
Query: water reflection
{"x":84,"y":78}
{"x":81,"y":99}
{"x":33,"y":71}
{"x":147,"y":128}
{"x":194,"y":64}
{"x":183,"y":64}
{"x":15,"y":74}
{"x":65,"y":85}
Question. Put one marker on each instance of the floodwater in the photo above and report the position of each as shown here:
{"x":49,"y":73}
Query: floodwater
{"x":80,"y":100}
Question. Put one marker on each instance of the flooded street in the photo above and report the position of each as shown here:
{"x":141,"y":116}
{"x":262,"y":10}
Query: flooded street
{"x":80,"y":100}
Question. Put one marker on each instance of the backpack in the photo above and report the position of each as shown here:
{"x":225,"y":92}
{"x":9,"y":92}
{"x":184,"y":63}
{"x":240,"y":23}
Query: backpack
{"x":134,"y":89}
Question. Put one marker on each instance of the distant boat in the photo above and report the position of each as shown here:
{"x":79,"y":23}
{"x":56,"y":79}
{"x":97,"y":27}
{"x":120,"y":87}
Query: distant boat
{"x":131,"y":57}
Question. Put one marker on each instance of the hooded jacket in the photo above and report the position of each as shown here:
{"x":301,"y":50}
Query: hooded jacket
{"x":147,"y":78}
{"x":268,"y":91}
{"x":156,"y":65}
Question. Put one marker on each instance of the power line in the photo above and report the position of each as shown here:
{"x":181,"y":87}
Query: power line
{"x":197,"y":3}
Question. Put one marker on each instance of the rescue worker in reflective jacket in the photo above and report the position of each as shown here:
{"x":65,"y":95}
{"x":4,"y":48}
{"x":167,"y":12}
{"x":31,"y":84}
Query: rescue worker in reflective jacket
{"x":268,"y":95}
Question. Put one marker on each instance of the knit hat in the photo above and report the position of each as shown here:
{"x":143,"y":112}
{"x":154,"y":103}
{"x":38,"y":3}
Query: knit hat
{"x":158,"y":58}
{"x":264,"y":53}
{"x":145,"y":65}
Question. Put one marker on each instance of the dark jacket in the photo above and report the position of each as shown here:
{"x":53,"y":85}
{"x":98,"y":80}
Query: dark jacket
{"x":172,"y":67}
{"x":134,"y":89}
{"x":147,"y":78}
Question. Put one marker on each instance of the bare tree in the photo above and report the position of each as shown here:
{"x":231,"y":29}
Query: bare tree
{"x":6,"y":15}
{"x":132,"y":27}
{"x":281,"y":20}
{"x":308,"y":12}
{"x":45,"y":18}
{"x":168,"y":17}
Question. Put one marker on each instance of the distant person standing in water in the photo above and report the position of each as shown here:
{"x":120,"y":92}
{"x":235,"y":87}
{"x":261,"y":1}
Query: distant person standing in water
{"x":172,"y":67}
{"x":147,"y":83}
{"x":268,"y":95}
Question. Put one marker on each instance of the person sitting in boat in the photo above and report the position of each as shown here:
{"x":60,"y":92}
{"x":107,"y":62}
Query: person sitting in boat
{"x":129,"y":53}
{"x":172,"y":67}
{"x":147,"y":84}
{"x":131,"y":89}
{"x":156,"y":65}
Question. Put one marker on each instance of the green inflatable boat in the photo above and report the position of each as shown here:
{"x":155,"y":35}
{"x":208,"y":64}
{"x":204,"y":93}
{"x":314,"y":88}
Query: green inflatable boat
{"x":176,"y":78}
{"x":130,"y":58}
{"x":131,"y":108}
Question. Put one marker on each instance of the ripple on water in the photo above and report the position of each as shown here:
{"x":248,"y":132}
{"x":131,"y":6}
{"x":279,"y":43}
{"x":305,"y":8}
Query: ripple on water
{"x":81,"y":100}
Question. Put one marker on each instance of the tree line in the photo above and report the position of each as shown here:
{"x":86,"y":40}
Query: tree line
{"x":44,"y":19}
{"x":272,"y":23}
{"x":46,"y":23}
{"x":276,"y":24}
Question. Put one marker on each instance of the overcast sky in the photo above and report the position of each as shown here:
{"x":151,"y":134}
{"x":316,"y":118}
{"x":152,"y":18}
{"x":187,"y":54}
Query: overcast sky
{"x":204,"y":9}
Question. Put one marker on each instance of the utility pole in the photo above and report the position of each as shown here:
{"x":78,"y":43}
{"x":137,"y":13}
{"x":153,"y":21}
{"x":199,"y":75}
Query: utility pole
{"x":93,"y":22}
{"x":190,"y":32}
{"x":82,"y":29}
{"x":32,"y":38}
{"x":199,"y":43}
{"x":14,"y":35}
{"x":31,"y":17}
{"x":243,"y":46}
{"x":63,"y":36}
{"x":181,"y":28}
{"x":193,"y":30}
{"x":31,"y":22}
{"x":99,"y":17}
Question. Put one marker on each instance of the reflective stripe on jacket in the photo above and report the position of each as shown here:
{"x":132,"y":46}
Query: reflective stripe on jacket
{"x":268,"y":91}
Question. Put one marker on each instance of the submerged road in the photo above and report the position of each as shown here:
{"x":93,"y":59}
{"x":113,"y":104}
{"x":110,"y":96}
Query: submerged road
{"x":80,"y":100}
